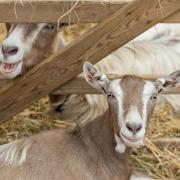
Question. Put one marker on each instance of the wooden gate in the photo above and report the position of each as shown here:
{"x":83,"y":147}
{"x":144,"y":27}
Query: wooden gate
{"x":119,"y":21}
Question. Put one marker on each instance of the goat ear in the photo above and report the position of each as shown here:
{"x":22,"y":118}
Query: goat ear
{"x":95,"y":78}
{"x":171,"y":80}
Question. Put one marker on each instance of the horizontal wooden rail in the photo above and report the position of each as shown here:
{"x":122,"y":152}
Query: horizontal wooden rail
{"x":115,"y":31}
{"x":66,"y":10}
{"x":80,"y":86}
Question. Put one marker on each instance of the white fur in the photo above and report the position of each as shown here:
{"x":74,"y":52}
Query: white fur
{"x":148,"y":91}
{"x":137,"y":58}
{"x":135,"y":177}
{"x":134,"y":117}
{"x":103,"y":77}
{"x":16,"y":39}
{"x":120,"y":146}
{"x":118,"y":93}
{"x":116,"y":89}
{"x":14,"y":153}
{"x":162,"y":80}
{"x":168,"y":34}
{"x":148,"y":54}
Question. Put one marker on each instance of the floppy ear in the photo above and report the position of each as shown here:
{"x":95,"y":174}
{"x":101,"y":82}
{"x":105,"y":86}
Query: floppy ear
{"x":171,"y":80}
{"x":95,"y":78}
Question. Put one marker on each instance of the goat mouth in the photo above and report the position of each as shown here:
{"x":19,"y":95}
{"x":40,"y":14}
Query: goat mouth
{"x":8,"y":68}
{"x":132,"y":140}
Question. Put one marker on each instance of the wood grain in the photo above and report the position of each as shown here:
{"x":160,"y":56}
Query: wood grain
{"x":112,"y":33}
{"x":174,"y":18}
{"x":52,"y":10}
{"x":79,"y":85}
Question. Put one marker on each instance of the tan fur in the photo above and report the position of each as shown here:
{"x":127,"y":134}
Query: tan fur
{"x":86,"y":154}
{"x":130,"y":96}
{"x":44,"y":45}
{"x":41,"y":49}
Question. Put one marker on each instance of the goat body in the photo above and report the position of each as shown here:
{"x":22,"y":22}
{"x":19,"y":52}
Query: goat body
{"x":88,"y":154}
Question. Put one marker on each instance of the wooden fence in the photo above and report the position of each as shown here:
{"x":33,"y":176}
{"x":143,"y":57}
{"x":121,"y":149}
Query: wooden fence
{"x":93,"y":11}
{"x":119,"y":22}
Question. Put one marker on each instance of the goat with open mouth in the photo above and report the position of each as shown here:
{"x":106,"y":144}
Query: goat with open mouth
{"x":10,"y":70}
{"x":131,"y":102}
{"x":11,"y":54}
{"x":26,"y":46}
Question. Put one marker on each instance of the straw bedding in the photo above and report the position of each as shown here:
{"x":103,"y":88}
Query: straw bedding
{"x":160,"y":160}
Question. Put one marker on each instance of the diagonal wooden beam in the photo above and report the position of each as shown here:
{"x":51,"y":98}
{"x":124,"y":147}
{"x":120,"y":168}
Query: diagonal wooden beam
{"x":115,"y":31}
{"x":93,"y":11}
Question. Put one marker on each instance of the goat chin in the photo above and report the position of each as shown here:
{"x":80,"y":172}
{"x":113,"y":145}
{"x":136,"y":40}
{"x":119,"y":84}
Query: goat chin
{"x":133,"y":144}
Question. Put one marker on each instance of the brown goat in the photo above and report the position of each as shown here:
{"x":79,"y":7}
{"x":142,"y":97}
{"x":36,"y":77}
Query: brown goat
{"x":93,"y":152}
{"x":88,"y":154}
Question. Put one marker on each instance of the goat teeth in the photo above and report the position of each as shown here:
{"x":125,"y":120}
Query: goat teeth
{"x":8,"y":67}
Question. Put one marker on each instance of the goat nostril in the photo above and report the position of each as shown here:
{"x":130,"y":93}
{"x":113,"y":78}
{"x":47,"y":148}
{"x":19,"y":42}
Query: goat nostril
{"x":138,"y":128}
{"x":9,"y":51}
{"x":12,"y":50}
{"x":129,"y":127}
{"x":133,"y":127}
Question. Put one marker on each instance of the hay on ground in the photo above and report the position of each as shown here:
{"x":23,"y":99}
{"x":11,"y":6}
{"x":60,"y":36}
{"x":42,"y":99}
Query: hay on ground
{"x":162,"y":162}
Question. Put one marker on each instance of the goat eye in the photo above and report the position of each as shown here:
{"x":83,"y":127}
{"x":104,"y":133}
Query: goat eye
{"x":154,"y":97}
{"x":49,"y":27}
{"x":110,"y":95}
